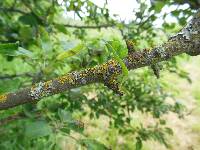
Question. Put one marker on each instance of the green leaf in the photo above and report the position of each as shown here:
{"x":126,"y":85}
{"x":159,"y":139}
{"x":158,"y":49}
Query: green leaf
{"x":28,"y":19}
{"x":66,"y":130}
{"x":185,"y":75}
{"x":169,"y":26}
{"x":117,"y":58}
{"x":70,"y":52}
{"x":175,"y":13}
{"x":119,"y":48}
{"x":44,"y":40}
{"x":159,"y":136}
{"x":23,"y":52}
{"x":182,"y":21}
{"x":65,"y":116}
{"x":9,"y":85}
{"x":76,"y":125}
{"x":92,"y":144}
{"x":26,"y":33}
{"x":37,"y":129}
{"x":138,"y":145}
{"x":13,"y":49}
{"x":169,"y":131}
{"x":9,"y":48}
{"x":143,"y":7}
{"x":158,"y":6}
{"x":61,"y":28}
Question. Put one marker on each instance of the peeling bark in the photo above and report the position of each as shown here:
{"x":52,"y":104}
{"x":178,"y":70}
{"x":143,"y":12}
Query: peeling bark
{"x":186,"y":41}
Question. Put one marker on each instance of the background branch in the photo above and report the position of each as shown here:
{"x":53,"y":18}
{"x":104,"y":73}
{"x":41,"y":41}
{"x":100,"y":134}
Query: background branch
{"x":87,"y":26}
{"x":7,"y":76}
{"x":17,"y":116}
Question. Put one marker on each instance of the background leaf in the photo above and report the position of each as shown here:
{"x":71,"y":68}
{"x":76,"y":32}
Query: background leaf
{"x":91,"y":144}
{"x":37,"y":129}
{"x":9,"y":48}
{"x":71,"y":52}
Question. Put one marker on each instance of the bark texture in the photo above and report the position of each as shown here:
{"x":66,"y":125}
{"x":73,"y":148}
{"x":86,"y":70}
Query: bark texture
{"x":186,"y":41}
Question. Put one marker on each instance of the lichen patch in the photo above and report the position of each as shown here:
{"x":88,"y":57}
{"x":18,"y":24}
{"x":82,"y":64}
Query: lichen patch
{"x":41,"y":89}
{"x":66,"y":79}
{"x":3,"y":98}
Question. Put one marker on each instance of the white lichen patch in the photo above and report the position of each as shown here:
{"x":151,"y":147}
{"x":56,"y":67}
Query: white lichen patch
{"x":161,"y":51}
{"x":186,"y":32}
{"x":75,"y":75}
{"x":41,"y":89}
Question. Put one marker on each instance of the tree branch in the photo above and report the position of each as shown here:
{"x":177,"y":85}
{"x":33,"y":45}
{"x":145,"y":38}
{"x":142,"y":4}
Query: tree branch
{"x":87,"y":26}
{"x":186,"y":41}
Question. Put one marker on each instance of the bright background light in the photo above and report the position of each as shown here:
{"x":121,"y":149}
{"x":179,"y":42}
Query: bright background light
{"x":125,"y":10}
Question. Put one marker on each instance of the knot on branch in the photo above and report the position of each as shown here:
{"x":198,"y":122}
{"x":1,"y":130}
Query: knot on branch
{"x":130,"y":46}
{"x":195,"y":50}
{"x":113,"y":70}
{"x":113,"y":84}
{"x":156,"y":69}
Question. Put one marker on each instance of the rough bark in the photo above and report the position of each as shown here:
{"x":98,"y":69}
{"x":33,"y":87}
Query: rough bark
{"x":186,"y":41}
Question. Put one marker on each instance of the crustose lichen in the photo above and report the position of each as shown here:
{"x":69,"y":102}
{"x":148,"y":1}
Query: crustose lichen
{"x":41,"y":89}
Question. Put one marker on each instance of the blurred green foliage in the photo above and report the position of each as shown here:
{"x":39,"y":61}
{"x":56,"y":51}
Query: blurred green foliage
{"x":44,"y":34}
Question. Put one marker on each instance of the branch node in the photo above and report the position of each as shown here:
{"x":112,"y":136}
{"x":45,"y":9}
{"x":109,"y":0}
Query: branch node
{"x":114,"y":86}
{"x":110,"y":77}
{"x":130,"y":45}
{"x":193,"y":53}
{"x":156,"y":69}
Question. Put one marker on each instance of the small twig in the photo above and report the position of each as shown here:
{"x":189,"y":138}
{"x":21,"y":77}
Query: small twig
{"x":7,"y":76}
{"x":190,"y":112}
{"x":11,"y":118}
{"x":123,"y":34}
{"x":15,"y":117}
{"x":141,"y":24}
{"x":87,"y":26}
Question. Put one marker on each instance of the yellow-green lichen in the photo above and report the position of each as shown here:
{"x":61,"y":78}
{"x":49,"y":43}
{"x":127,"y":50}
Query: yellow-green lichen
{"x":3,"y":98}
{"x":66,"y":79}
{"x":47,"y":84}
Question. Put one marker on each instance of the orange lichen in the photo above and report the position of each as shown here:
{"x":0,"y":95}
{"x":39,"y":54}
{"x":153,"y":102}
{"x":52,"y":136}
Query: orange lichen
{"x":3,"y":98}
